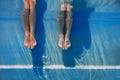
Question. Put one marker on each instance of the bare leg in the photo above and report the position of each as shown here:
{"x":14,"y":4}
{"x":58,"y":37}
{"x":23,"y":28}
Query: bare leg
{"x":25,"y":19}
{"x":68,"y":26}
{"x":61,"y":21}
{"x":32,"y":20}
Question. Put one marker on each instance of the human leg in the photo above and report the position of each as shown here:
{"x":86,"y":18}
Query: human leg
{"x":32,"y":20}
{"x":25,"y":19}
{"x":61,"y":20}
{"x":68,"y":26}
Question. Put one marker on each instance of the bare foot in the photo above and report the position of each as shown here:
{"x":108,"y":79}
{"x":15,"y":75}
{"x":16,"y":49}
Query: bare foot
{"x":33,"y":42}
{"x":27,"y":41}
{"x":67,"y":43}
{"x":61,"y":42}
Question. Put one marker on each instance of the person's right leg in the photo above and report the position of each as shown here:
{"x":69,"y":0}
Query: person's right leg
{"x":25,"y":19}
{"x":32,"y":20}
{"x":61,"y":20}
{"x":68,"y":25}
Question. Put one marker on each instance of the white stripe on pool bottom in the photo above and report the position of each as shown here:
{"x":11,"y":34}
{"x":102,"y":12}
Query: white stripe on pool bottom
{"x":57,"y":67}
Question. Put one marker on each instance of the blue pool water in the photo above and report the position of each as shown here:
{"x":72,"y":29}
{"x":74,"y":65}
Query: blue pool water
{"x":94,"y":37}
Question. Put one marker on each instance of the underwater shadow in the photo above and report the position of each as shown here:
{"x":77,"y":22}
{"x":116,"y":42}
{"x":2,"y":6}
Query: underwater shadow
{"x":80,"y":36}
{"x":39,"y":50}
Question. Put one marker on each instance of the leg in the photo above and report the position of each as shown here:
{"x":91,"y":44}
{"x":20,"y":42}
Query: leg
{"x":32,"y":16}
{"x":68,"y":26}
{"x":61,"y":20}
{"x":25,"y":19}
{"x":32,"y":20}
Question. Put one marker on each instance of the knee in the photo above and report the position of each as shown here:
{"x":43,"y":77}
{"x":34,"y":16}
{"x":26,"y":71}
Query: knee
{"x":69,"y":15}
{"x":63,"y":7}
{"x":69,"y":7}
{"x":26,"y":12}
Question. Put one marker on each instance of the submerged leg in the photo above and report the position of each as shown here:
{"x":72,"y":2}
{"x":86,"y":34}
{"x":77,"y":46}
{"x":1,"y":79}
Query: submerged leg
{"x":68,"y":27}
{"x":32,"y":20}
{"x":61,"y":24}
{"x":25,"y":19}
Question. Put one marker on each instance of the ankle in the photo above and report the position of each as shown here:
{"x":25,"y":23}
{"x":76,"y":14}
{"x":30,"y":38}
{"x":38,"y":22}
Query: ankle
{"x":31,"y":34}
{"x":61,"y":35}
{"x":27,"y":34}
{"x":66,"y":37}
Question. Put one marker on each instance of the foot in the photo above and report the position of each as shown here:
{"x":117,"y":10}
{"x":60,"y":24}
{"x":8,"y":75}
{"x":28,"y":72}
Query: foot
{"x":33,"y":42}
{"x":27,"y":41}
{"x":67,"y":43}
{"x":61,"y":42}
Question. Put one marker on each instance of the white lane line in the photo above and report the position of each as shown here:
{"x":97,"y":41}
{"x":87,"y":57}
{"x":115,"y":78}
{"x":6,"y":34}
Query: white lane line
{"x":81,"y":67}
{"x":57,"y":67}
{"x":16,"y":66}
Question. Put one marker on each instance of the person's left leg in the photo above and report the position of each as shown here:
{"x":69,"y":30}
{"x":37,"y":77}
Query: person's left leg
{"x":68,"y":26}
{"x":32,"y":20}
